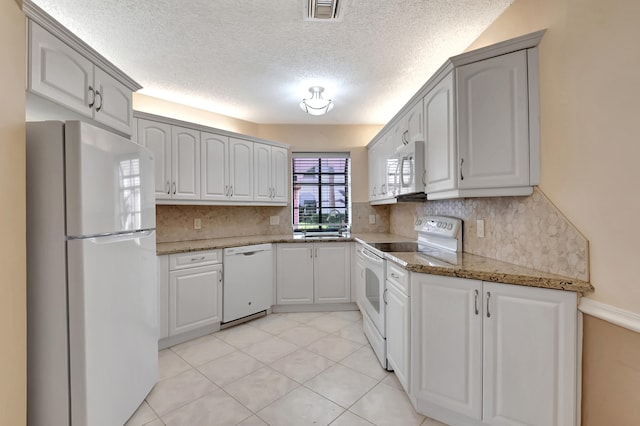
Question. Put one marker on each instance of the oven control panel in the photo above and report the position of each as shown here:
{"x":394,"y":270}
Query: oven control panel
{"x":443,"y":226}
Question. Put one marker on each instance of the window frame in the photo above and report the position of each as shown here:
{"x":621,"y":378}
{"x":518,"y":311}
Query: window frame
{"x":321,"y":224}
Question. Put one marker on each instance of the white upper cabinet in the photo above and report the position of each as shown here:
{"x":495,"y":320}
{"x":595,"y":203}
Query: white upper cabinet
{"x":214,"y":168}
{"x":113,"y":102}
{"x":382,"y":169}
{"x":185,"y":163}
{"x":270,"y":173}
{"x":241,"y":169}
{"x":199,"y":167}
{"x":479,"y":118}
{"x":157,"y":137}
{"x":280,"y":174}
{"x":440,"y":147}
{"x":60,"y":73}
{"x":177,"y":159}
{"x":493,"y":122}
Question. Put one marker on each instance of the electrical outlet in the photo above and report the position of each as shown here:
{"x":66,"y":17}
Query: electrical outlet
{"x":372,"y":219}
{"x":274,"y":220}
{"x":480,"y":228}
{"x":197,"y":223}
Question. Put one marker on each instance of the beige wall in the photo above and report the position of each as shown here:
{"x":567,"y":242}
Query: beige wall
{"x":589,"y":91}
{"x":12,"y":217}
{"x":330,"y":138}
{"x":157,"y":106}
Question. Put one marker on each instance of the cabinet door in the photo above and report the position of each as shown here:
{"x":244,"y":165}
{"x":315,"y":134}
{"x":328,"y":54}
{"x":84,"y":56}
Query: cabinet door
{"x":440,"y":141}
{"x":185,"y":164}
{"x":493,"y":122}
{"x":157,"y":137}
{"x":58,"y":72}
{"x":163,"y":296}
{"x":262,"y":185}
{"x":294,"y":273}
{"x":529,"y":356}
{"x":241,"y":169}
{"x":398,"y":333}
{"x":359,"y":277}
{"x":214,"y":166}
{"x":332,"y":277}
{"x":415,"y":123}
{"x":113,"y":102}
{"x":280,"y":174}
{"x":387,"y":168}
{"x":374,"y":186}
{"x":195,"y":298}
{"x":446,"y":349}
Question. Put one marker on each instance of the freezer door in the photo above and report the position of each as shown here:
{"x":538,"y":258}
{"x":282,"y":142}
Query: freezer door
{"x":113,"y":337}
{"x":109,"y":182}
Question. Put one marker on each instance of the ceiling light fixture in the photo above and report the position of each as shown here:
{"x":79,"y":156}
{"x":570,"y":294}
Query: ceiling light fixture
{"x":316,"y":104}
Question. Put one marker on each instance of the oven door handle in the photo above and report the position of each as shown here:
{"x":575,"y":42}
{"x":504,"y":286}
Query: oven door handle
{"x":369,"y":255}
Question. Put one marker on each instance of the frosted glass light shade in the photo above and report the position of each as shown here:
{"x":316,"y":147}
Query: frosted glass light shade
{"x":316,"y":104}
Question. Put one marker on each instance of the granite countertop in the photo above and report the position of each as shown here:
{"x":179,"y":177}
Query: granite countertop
{"x":468,"y":266}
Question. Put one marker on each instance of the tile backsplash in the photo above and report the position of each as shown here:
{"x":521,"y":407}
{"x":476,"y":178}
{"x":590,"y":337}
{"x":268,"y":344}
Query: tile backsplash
{"x":175,"y":223}
{"x":527,"y":231}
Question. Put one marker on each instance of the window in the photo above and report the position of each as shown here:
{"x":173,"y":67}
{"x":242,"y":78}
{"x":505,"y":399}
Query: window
{"x":321,"y":190}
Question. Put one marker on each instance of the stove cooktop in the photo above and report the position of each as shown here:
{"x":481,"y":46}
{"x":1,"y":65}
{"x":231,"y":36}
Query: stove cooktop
{"x":432,"y":255}
{"x":389,"y":247}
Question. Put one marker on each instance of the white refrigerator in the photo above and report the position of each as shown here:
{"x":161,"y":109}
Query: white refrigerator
{"x":92,"y":341}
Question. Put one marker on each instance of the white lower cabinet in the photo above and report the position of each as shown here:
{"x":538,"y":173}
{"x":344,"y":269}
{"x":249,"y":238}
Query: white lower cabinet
{"x":190,"y":295}
{"x":195,"y":296}
{"x":398,"y":323}
{"x":313,"y":273}
{"x":488,"y":353}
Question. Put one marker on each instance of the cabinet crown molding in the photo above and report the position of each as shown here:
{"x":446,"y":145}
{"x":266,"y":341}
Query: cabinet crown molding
{"x":39,"y":16}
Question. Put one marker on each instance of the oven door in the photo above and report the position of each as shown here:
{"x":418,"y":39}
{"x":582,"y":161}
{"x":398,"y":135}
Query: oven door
{"x":374,"y":282}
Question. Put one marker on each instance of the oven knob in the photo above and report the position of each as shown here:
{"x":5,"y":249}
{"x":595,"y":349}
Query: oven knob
{"x":450,"y":226}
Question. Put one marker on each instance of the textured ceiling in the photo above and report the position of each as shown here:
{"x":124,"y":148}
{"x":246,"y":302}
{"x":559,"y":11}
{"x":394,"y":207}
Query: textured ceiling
{"x":256,"y":59}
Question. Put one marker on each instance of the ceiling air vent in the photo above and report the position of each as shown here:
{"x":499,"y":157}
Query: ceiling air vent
{"x":322,"y":10}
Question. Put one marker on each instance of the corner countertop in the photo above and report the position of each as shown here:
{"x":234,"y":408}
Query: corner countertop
{"x":468,"y":266}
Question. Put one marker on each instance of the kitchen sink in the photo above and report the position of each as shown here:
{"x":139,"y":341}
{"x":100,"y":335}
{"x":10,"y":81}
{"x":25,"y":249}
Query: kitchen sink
{"x":323,"y":235}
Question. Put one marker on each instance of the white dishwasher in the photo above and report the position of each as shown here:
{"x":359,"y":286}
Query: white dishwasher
{"x":248,"y":281}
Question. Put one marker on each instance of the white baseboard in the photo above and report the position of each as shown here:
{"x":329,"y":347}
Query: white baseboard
{"x":627,"y":319}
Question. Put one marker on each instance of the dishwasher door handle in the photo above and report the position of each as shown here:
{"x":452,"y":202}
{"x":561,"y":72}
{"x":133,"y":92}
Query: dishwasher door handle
{"x":250,"y":253}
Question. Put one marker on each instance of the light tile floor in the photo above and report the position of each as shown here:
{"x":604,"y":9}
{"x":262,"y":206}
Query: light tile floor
{"x":283,"y":369}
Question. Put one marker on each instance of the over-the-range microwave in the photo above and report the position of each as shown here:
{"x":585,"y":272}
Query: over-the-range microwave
{"x":410,"y":172}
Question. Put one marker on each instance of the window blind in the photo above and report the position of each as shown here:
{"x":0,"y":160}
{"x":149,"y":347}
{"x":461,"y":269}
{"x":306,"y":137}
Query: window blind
{"x":321,"y":190}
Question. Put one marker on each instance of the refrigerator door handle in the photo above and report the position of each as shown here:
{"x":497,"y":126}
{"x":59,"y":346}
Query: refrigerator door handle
{"x":116,"y":238}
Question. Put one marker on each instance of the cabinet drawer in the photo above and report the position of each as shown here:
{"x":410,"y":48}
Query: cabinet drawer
{"x":196,"y":258}
{"x":398,"y":275}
